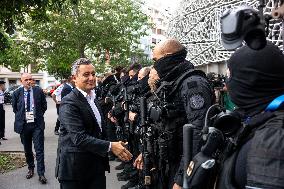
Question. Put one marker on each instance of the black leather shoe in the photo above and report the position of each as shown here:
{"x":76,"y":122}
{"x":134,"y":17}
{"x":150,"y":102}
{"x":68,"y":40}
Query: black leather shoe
{"x":120,"y":166}
{"x":120,"y":174}
{"x":130,"y":184}
{"x":56,"y":132}
{"x":137,"y":187}
{"x":111,"y":158}
{"x":118,"y":160}
{"x":124,"y":177}
{"x":42,"y":179}
{"x":30,"y":174}
{"x":3,"y":138}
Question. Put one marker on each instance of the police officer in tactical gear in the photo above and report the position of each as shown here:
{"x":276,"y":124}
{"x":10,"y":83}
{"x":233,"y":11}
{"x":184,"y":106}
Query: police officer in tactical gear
{"x":181,"y":95}
{"x":256,"y":86}
{"x":2,"y":111}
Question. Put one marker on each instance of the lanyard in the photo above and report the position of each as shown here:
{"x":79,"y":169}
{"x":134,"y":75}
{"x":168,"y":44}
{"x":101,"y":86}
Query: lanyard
{"x":32,"y":99}
{"x":275,"y":104}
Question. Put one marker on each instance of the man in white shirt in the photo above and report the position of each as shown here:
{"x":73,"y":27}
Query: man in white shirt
{"x":56,"y":96}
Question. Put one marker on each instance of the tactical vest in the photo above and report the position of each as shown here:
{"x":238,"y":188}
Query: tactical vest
{"x":167,"y":101}
{"x":265,"y":163}
{"x":167,"y":113}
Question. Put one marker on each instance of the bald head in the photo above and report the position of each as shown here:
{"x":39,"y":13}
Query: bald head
{"x":26,"y":80}
{"x":26,"y":75}
{"x":167,"y":47}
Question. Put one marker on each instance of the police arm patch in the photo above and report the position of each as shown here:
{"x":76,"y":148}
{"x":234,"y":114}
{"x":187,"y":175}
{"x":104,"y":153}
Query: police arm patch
{"x":196,"y":101}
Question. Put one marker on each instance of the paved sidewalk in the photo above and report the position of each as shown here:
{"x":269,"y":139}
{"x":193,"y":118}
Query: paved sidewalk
{"x":16,"y":179}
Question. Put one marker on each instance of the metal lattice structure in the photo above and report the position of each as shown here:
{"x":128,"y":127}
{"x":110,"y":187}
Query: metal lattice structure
{"x":196,"y":23}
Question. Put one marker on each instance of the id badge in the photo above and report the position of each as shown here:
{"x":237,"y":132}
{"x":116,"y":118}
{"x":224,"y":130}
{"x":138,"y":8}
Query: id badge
{"x":30,"y":117}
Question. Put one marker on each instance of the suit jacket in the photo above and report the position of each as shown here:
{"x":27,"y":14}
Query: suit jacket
{"x":82,"y":150}
{"x":66,"y":90}
{"x":18,"y":104}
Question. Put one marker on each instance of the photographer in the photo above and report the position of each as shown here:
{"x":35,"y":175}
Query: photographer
{"x":183,"y":96}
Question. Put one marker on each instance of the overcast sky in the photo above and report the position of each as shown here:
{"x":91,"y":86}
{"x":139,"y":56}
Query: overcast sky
{"x":167,"y":3}
{"x":171,"y":3}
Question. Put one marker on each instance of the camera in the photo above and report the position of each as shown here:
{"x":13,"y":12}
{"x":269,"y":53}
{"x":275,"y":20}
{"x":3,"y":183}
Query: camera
{"x":217,"y":81}
{"x":220,"y":127}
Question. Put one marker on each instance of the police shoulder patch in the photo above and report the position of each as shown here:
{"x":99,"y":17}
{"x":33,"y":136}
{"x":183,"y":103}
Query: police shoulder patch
{"x":196,"y":101}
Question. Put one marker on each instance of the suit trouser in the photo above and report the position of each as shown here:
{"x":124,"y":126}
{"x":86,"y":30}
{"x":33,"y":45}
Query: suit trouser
{"x":57,"y":121}
{"x":2,"y":121}
{"x":98,"y":182}
{"x":34,"y":134}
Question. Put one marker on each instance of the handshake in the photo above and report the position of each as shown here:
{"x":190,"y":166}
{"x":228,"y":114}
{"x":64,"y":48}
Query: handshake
{"x":118,"y":148}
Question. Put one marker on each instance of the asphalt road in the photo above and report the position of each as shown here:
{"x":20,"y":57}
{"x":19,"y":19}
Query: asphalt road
{"x":16,"y":179}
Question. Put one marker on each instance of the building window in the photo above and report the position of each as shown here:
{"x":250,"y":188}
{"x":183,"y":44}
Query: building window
{"x":159,"y":31}
{"x":160,"y":21}
{"x":154,"y":30}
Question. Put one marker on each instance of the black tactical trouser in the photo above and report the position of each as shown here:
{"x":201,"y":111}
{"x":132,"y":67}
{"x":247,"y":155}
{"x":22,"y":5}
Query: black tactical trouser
{"x":2,"y":121}
{"x":164,"y":177}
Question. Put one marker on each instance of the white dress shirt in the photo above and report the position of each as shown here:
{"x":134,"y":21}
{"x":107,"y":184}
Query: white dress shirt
{"x":91,"y":100}
{"x":57,"y":92}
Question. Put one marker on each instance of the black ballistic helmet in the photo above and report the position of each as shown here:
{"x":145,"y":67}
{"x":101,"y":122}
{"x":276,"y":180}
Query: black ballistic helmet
{"x":242,"y":24}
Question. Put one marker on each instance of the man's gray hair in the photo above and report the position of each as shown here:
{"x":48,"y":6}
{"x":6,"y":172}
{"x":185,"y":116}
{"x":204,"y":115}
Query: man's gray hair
{"x":77,"y":63}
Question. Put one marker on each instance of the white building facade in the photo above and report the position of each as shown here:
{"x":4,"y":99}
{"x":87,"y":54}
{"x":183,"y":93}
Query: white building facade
{"x":196,"y":24}
{"x":43,"y":79}
{"x":159,"y":15}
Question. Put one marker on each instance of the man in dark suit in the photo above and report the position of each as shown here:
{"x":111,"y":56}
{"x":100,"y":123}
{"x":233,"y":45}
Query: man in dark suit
{"x":67,"y":88}
{"x":29,"y":105}
{"x":82,"y":151}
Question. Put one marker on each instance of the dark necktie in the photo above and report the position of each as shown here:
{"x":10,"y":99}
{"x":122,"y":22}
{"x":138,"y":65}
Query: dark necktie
{"x":29,"y":100}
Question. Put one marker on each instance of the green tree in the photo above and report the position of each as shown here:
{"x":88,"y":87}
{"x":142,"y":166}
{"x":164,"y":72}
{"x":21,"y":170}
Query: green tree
{"x":103,"y":30}
{"x":14,"y":12}
{"x":20,"y":53}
